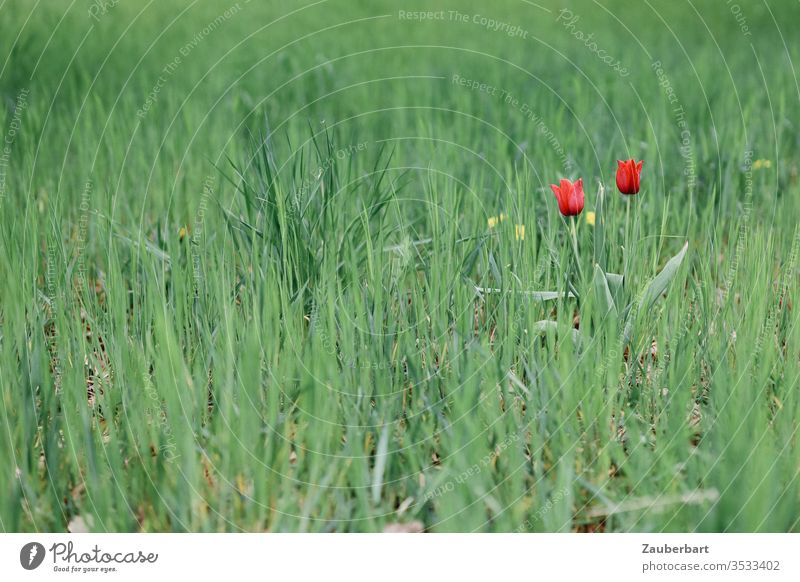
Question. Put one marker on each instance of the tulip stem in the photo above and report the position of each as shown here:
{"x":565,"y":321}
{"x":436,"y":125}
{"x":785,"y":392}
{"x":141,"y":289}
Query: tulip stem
{"x":575,"y":253}
{"x":627,"y":249}
{"x":637,"y":225}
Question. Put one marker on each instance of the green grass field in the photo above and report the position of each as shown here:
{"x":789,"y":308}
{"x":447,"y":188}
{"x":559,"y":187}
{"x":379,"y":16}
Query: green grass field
{"x":297,"y":266}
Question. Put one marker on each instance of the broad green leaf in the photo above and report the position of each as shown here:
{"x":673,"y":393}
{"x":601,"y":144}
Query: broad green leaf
{"x":535,"y":295}
{"x":615,"y":285}
{"x":472,"y":258}
{"x":615,"y":282}
{"x":544,"y":326}
{"x":548,"y":325}
{"x":663,"y":279}
{"x":605,"y":303}
{"x":495,"y":269}
{"x":381,"y":456}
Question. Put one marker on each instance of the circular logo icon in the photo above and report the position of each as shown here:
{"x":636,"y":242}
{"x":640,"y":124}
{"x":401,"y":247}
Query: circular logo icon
{"x":31,"y":555}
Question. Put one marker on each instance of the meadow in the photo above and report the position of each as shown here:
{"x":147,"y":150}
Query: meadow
{"x":297,"y":266}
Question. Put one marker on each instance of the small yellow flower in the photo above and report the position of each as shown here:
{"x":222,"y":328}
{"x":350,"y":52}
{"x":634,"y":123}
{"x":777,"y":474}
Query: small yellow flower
{"x":182,"y":233}
{"x":495,"y":220}
{"x":519,"y":231}
{"x":590,"y":217}
{"x":758,"y":164}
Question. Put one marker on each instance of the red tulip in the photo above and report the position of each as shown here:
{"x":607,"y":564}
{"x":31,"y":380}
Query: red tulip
{"x":628,"y":176}
{"x":569,"y":196}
